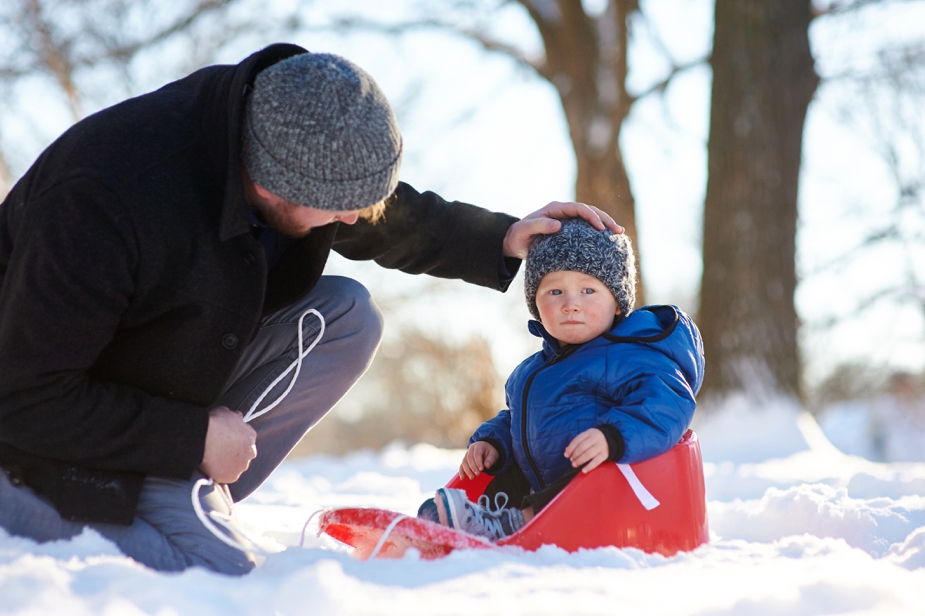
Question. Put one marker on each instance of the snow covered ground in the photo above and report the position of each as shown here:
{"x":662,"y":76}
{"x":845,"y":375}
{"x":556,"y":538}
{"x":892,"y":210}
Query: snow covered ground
{"x":797,"y":528}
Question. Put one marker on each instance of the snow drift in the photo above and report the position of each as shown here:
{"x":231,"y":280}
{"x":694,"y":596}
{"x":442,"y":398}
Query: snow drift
{"x":797,"y":527}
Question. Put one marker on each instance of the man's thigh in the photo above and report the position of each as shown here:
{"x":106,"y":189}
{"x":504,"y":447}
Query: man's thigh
{"x":345,"y":332}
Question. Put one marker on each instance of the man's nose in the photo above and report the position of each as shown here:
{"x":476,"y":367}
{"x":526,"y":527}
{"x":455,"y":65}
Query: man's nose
{"x":348,"y":219}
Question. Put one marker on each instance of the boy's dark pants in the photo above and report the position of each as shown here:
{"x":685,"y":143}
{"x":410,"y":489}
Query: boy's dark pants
{"x":513,"y":483}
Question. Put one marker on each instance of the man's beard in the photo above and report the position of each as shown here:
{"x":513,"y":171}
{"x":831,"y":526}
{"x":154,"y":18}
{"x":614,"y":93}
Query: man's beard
{"x":276,"y":220}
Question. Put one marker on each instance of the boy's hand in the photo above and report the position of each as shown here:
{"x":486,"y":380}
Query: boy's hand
{"x":589,"y":448}
{"x":479,"y":456}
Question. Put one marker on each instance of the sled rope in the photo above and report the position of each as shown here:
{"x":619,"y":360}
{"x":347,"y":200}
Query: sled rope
{"x":501,"y":501}
{"x":253,"y":413}
{"x":224,"y":520}
{"x":385,"y":535}
{"x":645,"y":497}
{"x":304,"y":528}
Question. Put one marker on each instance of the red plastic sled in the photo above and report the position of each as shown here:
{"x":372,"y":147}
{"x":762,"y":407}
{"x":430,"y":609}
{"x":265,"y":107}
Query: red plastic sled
{"x":658,"y":506}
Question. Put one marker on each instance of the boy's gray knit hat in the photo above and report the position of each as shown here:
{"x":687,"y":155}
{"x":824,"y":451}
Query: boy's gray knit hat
{"x":579,"y":247}
{"x":319,"y":132}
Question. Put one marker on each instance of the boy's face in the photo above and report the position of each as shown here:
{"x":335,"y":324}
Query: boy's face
{"x":575,"y":307}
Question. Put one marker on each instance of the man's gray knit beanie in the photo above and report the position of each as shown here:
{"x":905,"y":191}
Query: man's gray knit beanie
{"x":579,"y":247}
{"x":318,"y":132}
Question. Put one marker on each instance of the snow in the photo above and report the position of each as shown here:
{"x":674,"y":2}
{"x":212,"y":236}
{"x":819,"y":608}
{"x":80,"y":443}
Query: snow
{"x":797,"y":527}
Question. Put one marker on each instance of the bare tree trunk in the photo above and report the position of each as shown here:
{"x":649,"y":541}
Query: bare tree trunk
{"x":763,"y":81}
{"x":586,"y":62}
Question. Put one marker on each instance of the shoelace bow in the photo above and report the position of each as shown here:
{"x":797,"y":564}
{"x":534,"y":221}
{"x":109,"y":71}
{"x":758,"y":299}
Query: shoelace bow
{"x":499,"y":505}
{"x":490,"y":517}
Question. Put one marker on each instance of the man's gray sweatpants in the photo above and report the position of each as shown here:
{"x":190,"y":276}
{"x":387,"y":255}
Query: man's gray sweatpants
{"x":167,"y":534}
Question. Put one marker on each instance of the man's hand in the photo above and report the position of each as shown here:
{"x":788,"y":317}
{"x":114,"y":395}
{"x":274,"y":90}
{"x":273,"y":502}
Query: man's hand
{"x":544,"y":221}
{"x":589,"y":448}
{"x":479,"y":456}
{"x":231,"y":444}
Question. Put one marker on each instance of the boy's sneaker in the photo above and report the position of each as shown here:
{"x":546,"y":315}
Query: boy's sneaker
{"x":457,"y":511}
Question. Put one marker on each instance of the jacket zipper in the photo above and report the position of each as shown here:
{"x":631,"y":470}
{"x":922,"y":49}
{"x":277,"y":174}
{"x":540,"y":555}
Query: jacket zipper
{"x":556,"y":358}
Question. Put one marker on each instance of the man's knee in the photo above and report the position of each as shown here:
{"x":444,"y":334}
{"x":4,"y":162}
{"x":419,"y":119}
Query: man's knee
{"x":360,"y":307}
{"x":355,"y":313}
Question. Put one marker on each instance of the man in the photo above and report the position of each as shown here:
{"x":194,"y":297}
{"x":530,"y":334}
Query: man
{"x":160,"y":276}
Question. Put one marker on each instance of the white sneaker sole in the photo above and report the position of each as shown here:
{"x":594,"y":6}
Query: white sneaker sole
{"x":446,"y":509}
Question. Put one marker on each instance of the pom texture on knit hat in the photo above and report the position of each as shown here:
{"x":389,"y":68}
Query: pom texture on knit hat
{"x":318,"y":132}
{"x":579,"y":247}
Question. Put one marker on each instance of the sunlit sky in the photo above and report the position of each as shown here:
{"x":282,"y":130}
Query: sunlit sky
{"x":478,"y":128}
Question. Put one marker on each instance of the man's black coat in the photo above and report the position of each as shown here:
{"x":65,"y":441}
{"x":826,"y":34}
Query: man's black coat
{"x":130,"y":283}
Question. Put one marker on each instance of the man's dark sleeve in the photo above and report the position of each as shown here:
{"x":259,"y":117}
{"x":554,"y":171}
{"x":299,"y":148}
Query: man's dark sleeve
{"x":507,"y":270}
{"x":424,"y":234}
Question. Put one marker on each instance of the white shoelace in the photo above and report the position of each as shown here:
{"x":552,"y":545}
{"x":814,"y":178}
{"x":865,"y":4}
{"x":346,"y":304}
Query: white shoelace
{"x":488,"y":517}
{"x":227,"y":521}
{"x":499,"y":505}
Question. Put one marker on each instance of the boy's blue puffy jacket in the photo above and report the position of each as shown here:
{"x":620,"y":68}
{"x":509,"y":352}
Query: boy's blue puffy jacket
{"x":640,"y":378}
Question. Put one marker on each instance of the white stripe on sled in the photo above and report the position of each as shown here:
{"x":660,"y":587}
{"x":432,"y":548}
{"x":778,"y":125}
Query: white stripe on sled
{"x":645,"y":497}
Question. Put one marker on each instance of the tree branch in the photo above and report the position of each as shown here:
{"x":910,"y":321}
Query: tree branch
{"x":544,"y":13}
{"x":890,"y":232}
{"x":891,"y":294}
{"x":660,"y":86}
{"x":125,"y":52}
{"x":847,"y":6}
{"x":488,"y":43}
{"x":54,"y":55}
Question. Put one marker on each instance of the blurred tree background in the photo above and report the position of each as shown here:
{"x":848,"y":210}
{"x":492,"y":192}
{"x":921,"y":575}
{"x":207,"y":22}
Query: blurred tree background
{"x":771,"y":292}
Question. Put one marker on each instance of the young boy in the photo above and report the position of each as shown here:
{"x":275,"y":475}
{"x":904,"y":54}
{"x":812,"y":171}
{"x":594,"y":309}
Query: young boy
{"x":611,"y":384}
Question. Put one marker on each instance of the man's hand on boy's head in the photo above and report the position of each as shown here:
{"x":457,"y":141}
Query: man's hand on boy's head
{"x":589,"y":449}
{"x":546,"y":220}
{"x":479,"y":456}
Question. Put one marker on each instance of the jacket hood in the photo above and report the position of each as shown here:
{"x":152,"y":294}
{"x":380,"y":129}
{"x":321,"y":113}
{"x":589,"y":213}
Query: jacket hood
{"x":665,"y":328}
